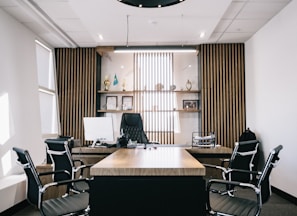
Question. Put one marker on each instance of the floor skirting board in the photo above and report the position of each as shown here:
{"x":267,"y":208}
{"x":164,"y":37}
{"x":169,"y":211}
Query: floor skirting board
{"x":284,"y":195}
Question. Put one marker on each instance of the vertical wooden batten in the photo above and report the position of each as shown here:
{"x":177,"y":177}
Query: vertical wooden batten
{"x":223,"y":91}
{"x":76,"y":78}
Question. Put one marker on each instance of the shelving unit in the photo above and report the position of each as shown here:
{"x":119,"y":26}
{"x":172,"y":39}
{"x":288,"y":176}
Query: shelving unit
{"x":133,"y":92}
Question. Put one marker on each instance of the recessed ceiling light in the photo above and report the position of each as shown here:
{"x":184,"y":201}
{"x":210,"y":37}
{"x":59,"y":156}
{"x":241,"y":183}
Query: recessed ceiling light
{"x":202,"y":34}
{"x":100,"y":36}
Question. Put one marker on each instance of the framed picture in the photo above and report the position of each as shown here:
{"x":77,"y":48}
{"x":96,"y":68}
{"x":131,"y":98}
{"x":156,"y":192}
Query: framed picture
{"x":111,"y":102}
{"x":191,"y":104}
{"x":127,"y":102}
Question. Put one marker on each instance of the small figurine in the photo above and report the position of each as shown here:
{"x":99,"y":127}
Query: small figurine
{"x":106,"y":83}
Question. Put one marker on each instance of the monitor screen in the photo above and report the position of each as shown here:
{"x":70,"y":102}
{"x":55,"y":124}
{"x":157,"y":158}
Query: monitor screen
{"x":98,"y":129}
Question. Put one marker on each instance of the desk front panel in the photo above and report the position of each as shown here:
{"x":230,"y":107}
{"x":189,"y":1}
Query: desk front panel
{"x":147,"y":195}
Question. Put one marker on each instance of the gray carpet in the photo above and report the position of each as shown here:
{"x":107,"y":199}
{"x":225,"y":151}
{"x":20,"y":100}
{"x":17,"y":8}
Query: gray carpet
{"x":276,"y":206}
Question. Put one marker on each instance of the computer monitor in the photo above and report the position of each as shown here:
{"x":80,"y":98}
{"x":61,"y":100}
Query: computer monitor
{"x":98,"y":129}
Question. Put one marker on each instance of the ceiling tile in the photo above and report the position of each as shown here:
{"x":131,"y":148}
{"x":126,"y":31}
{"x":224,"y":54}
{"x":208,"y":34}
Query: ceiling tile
{"x":233,"y":10}
{"x":234,"y":37}
{"x":260,"y":10}
{"x":246,"y":25}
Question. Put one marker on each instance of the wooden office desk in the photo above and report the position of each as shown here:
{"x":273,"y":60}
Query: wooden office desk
{"x":91,"y":155}
{"x":161,"y":181}
{"x":204,"y":155}
{"x":211,"y":156}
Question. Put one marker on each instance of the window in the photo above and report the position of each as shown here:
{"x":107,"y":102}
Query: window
{"x":47,"y":90}
{"x":153,"y":74}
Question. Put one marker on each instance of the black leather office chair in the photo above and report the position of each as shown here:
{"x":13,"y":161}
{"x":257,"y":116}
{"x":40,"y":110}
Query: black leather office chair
{"x":73,"y":203}
{"x":242,"y":203}
{"x":59,"y":152}
{"x":132,"y":127}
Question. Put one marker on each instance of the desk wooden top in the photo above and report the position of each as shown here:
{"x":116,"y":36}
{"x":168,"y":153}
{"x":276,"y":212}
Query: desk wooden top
{"x":149,"y":162}
{"x":216,"y":150}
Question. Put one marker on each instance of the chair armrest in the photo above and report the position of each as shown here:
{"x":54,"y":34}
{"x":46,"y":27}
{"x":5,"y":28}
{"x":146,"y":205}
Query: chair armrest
{"x":235,"y":183}
{"x":215,"y":167}
{"x":64,"y":182}
{"x":81,"y":168}
{"x":244,"y":171}
{"x":54,"y":172}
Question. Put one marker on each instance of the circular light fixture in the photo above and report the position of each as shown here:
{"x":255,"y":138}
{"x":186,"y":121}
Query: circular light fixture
{"x":151,"y":3}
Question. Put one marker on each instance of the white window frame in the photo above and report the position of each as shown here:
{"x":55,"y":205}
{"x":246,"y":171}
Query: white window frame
{"x":54,"y":123}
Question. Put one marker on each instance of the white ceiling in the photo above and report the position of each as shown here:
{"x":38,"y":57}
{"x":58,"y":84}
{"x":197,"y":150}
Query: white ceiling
{"x":78,"y":23}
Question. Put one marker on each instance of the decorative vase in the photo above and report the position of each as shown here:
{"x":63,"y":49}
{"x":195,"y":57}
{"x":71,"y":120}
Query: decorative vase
{"x":188,"y":85}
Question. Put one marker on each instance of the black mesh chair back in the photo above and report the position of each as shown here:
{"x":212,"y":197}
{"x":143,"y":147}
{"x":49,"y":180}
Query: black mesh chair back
{"x":70,"y":141}
{"x":132,"y":127}
{"x":59,"y":152}
{"x":60,"y":155}
{"x":263,"y":181}
{"x":33,"y":181}
{"x":242,"y":158}
{"x":242,"y":202}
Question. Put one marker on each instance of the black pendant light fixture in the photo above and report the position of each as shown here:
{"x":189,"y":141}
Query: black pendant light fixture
{"x":151,"y":3}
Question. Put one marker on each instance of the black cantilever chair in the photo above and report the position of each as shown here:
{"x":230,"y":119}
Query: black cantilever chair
{"x":132,"y":127}
{"x":248,"y":200}
{"x":59,"y":152}
{"x":70,"y":204}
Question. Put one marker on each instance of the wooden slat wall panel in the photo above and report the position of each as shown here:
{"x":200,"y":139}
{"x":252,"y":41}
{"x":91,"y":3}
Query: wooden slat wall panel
{"x":223,"y":91}
{"x":76,"y":78}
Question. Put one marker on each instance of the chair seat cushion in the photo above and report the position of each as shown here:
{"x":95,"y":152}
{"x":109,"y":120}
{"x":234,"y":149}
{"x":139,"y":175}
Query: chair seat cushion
{"x":233,"y":205}
{"x":66,"y":205}
{"x":81,"y":186}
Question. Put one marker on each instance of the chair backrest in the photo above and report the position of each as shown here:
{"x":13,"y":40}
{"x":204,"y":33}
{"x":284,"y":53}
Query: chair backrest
{"x":70,"y":140}
{"x":33,"y":180}
{"x":263,"y":181}
{"x":132,"y":127}
{"x":242,"y":158}
{"x":59,"y":152}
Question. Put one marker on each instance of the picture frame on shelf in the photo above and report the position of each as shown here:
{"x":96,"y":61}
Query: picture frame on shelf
{"x":127,"y":102}
{"x":111,"y":102}
{"x":190,"y":104}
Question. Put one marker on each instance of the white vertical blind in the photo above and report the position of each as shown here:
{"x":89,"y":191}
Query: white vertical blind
{"x":153,"y":74}
{"x":47,"y":91}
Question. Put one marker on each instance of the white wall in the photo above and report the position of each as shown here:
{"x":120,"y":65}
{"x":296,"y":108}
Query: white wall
{"x":271,"y":57}
{"x":19,"y":103}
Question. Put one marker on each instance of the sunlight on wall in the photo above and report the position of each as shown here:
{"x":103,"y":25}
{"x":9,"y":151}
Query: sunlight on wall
{"x":4,"y":116}
{"x":6,"y":162}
